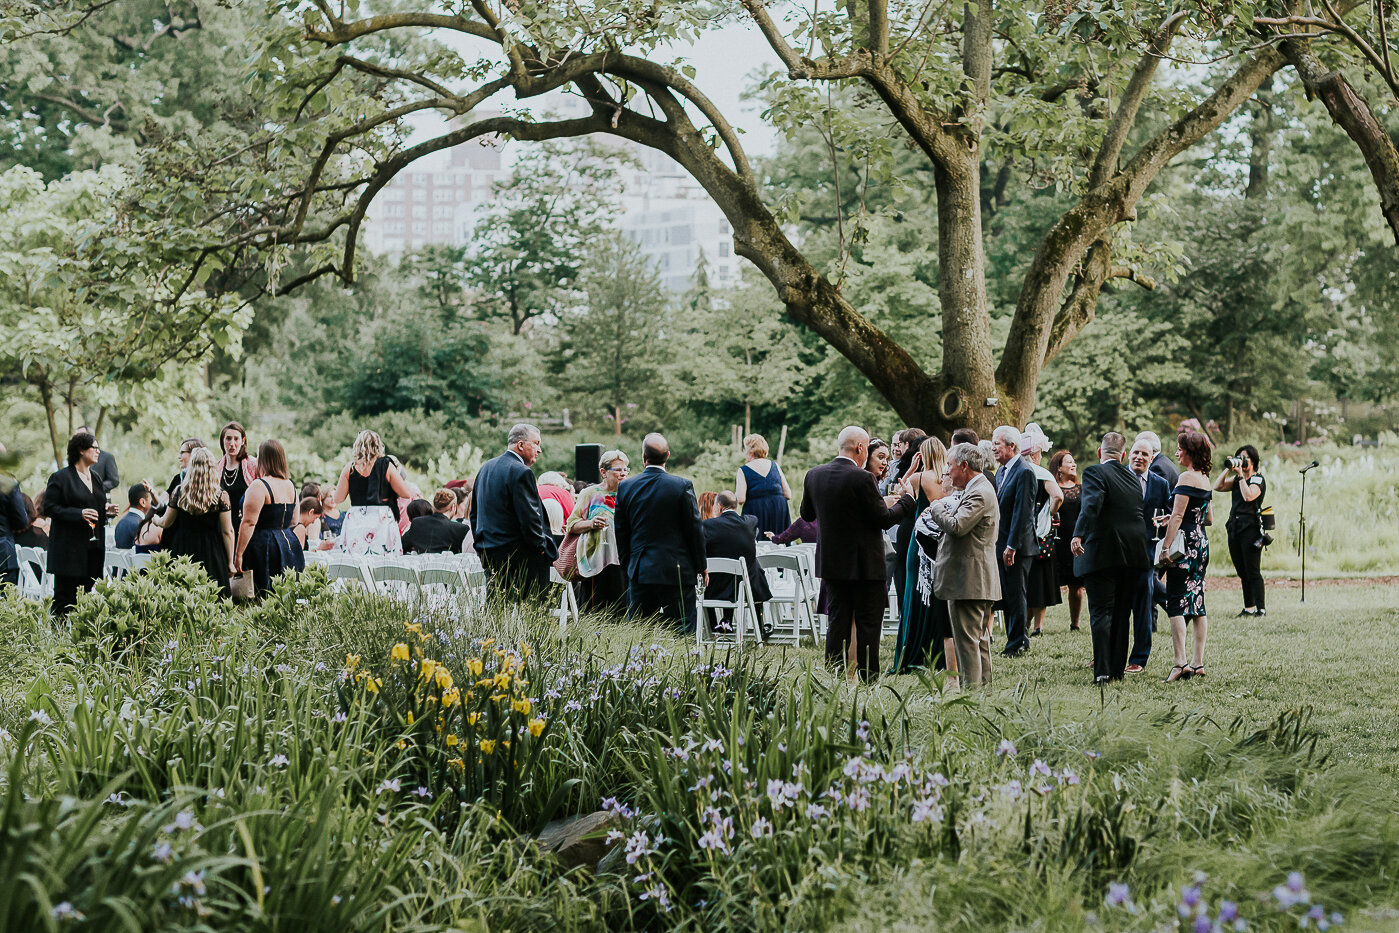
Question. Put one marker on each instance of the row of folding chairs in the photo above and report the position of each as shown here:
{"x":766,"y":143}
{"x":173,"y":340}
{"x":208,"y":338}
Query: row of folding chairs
{"x":790,"y":614}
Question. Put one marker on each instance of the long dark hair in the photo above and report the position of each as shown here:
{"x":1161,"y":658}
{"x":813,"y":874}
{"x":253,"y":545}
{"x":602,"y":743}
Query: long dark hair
{"x":1251,"y":452}
{"x":1198,"y":448}
{"x":234,"y":426}
{"x":1056,"y":461}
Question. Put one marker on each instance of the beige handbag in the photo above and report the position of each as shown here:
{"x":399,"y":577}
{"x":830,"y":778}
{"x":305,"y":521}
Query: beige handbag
{"x":240,"y":585}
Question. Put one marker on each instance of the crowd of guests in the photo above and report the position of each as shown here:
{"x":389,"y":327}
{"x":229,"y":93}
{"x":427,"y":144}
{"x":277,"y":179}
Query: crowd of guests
{"x":962,"y":532}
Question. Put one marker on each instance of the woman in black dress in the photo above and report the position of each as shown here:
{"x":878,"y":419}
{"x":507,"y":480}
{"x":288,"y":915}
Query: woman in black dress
{"x":77,"y":505}
{"x":197,"y":524}
{"x":236,"y":470}
{"x":267,"y":546}
{"x":1245,"y":526}
{"x":1042,"y":589}
{"x":1185,"y":580}
{"x":1065,"y":472}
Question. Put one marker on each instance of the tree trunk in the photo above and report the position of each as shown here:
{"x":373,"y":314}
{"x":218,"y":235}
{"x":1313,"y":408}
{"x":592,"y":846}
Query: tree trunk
{"x":617,"y":420}
{"x":101,"y":417}
{"x":1260,"y":137}
{"x":46,"y":395}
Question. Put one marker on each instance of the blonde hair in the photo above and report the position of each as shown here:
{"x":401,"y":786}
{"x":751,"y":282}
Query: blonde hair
{"x":756,"y":445}
{"x":368,"y":448}
{"x":934,"y":456}
{"x":200,"y":490}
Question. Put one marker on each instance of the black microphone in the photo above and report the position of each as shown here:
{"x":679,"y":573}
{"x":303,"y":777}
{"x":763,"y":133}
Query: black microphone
{"x":1311,"y":466}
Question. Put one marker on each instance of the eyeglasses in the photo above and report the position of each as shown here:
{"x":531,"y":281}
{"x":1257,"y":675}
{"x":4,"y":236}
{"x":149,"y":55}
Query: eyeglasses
{"x":618,"y":470}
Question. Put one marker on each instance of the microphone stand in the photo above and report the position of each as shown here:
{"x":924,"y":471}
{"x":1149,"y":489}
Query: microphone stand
{"x":1302,"y":525}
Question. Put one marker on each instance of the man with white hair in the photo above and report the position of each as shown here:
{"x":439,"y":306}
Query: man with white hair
{"x":507,"y":519}
{"x":1161,"y":464}
{"x":1016,"y":545}
{"x":843,"y":500}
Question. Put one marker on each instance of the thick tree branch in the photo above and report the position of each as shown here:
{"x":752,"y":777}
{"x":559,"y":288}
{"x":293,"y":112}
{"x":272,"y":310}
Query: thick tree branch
{"x":340,"y":33}
{"x":879,"y":27}
{"x":1132,"y":97}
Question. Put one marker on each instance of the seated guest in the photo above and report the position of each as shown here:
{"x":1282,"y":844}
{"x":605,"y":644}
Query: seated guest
{"x":332,"y":519}
{"x":149,"y":534}
{"x":555,"y":489}
{"x":708,"y":508}
{"x":308,"y":525}
{"x":734,"y":536}
{"x":37,"y":534}
{"x":800,"y":530}
{"x":435,"y":533}
{"x":138,"y":500}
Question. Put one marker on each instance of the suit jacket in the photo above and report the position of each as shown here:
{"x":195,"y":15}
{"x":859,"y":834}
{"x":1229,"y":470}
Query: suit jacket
{"x":69,"y":536}
{"x":1110,"y":520}
{"x":966,"y":566}
{"x":1156,"y":496}
{"x":505,"y":508}
{"x":1015,"y":496}
{"x":125,"y":534}
{"x":844,"y":501}
{"x":106,"y":469}
{"x":1162,"y":466}
{"x":731,"y":535}
{"x":659,"y":536}
{"x":434,"y":534}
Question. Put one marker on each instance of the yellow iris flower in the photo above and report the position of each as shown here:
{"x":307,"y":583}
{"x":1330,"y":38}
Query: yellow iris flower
{"x":399,"y":652}
{"x":487,"y":746}
{"x":536,"y":726}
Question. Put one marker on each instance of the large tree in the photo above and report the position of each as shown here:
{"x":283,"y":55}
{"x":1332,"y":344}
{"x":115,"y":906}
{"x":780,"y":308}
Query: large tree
{"x":1061,"y":92}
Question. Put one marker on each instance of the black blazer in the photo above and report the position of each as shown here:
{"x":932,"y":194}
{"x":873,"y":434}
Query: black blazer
{"x":659,"y":537}
{"x":505,"y":508}
{"x":70,"y":547}
{"x":850,"y":515}
{"x":1162,"y":466}
{"x":434,"y":534}
{"x":106,"y":469}
{"x":731,"y":535}
{"x":1015,"y":495}
{"x":1157,"y":496}
{"x":1110,"y":520}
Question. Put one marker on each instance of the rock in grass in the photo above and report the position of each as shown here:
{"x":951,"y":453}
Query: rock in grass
{"x":577,"y":841}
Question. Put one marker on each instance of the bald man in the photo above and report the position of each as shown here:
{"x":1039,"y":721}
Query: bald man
{"x":660,"y":540}
{"x":843,"y":500}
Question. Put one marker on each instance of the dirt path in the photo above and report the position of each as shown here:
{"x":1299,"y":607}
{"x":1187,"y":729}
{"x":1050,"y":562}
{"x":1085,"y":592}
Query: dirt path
{"x":1293,"y":583}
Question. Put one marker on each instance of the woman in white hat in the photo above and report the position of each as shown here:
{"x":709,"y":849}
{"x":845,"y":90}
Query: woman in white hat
{"x":1042,"y":590}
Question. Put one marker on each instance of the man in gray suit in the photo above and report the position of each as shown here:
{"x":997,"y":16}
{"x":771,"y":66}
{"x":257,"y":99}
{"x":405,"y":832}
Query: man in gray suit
{"x":965,"y":572}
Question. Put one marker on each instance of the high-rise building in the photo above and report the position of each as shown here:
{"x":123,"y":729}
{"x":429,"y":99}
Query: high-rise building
{"x":424,"y":204}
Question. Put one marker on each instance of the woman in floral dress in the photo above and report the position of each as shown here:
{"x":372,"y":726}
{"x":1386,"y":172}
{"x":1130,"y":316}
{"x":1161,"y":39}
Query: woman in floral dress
{"x":1185,"y":580}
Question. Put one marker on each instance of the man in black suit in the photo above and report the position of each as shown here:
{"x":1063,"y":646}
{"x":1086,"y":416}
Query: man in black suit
{"x":1016,"y":545}
{"x":1160,"y":464}
{"x":436,"y":533}
{"x":731,"y":535}
{"x":660,"y":539}
{"x":105,"y":469}
{"x":843,"y":500}
{"x":512,"y":536}
{"x":1156,"y":498}
{"x":1110,"y":553}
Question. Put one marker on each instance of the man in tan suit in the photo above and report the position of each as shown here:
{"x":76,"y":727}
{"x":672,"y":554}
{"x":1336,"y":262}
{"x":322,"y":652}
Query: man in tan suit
{"x":965,"y":572}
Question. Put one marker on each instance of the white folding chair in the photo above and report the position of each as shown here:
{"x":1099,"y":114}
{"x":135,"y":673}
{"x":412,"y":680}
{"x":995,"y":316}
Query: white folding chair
{"x":355,"y":571}
{"x":568,"y":602}
{"x":745,"y":613}
{"x":136,"y":562}
{"x":790,"y":609}
{"x":31,"y":586}
{"x":116,"y":562}
{"x":891,"y":613}
{"x":397,"y":578}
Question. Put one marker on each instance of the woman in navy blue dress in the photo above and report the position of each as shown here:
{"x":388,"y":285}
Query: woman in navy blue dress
{"x":762,"y":490}
{"x":267,"y":546}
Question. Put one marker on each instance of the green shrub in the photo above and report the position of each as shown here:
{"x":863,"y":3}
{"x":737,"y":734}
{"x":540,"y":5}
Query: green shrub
{"x":167,"y":596}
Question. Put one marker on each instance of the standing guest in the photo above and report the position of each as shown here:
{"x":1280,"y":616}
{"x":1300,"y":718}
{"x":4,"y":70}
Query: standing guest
{"x":1185,"y":580}
{"x":14,"y":518}
{"x":373,"y":487}
{"x":660,"y":541}
{"x":267,"y":547}
{"x":1110,"y":553}
{"x":198,"y":522}
{"x":1156,"y":504}
{"x":187,"y":446}
{"x":1161,"y":464}
{"x":1065,"y":472}
{"x":138,"y":502}
{"x":1042,"y":589}
{"x":556,"y":495}
{"x":603,"y":580}
{"x":1245,"y":525}
{"x":925,"y":630}
{"x":969,"y":436}
{"x":404,"y":498}
{"x":843,"y":500}
{"x":507,"y":519}
{"x":436,"y":533}
{"x":901,"y":535}
{"x":734,"y":536}
{"x":878,"y":463}
{"x":966,"y":572}
{"x":1015,"y":543}
{"x":708,"y":505}
{"x":762,"y":489}
{"x":236,"y":469}
{"x":105,"y":469}
{"x":76,"y":504}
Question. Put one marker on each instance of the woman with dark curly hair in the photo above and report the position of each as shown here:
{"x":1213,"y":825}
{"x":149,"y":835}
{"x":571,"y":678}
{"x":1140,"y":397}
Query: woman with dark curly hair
{"x":1185,"y":579}
{"x":1245,"y":524}
{"x":77,"y":505}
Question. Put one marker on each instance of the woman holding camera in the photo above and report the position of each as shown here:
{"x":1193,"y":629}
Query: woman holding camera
{"x":1245,"y":525}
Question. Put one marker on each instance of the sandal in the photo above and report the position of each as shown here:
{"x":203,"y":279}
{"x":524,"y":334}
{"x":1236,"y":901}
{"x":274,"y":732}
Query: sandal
{"x":1197,"y":671}
{"x":1184,"y":673}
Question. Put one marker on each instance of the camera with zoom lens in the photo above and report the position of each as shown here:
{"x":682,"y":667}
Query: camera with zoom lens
{"x":1235,"y":463}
